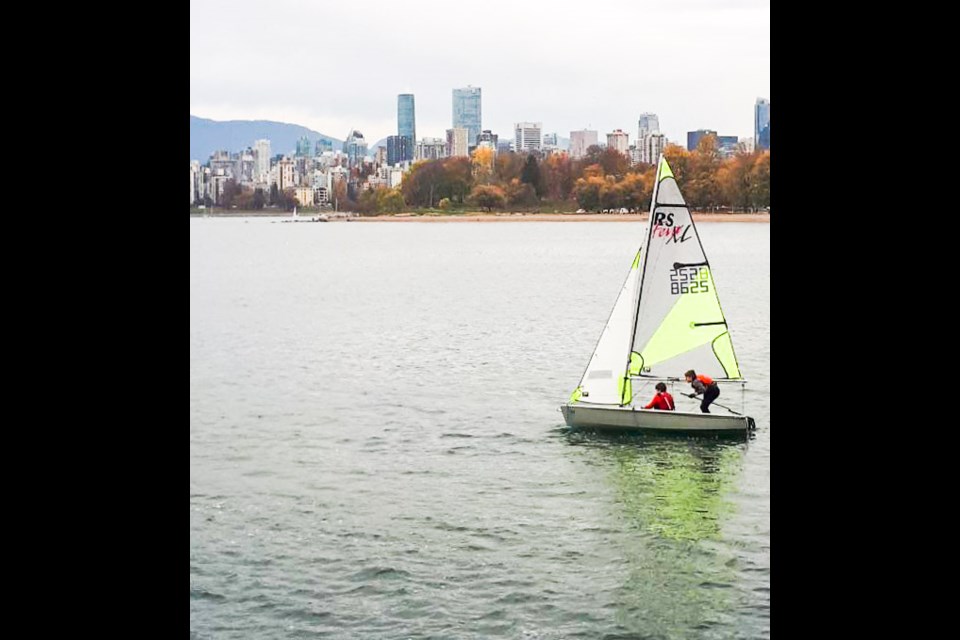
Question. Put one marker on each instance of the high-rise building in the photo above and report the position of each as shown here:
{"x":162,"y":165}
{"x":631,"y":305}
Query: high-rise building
{"x":528,"y":136}
{"x":764,"y":139}
{"x":457,"y":142}
{"x":322,"y":145}
{"x":303,"y":147}
{"x":261,"y":152}
{"x":727,"y":145}
{"x":286,"y":174}
{"x":431,"y":149}
{"x":648,"y":123}
{"x":487,"y":139}
{"x":194,"y":174}
{"x":580,"y":141}
{"x":761,"y":119}
{"x":406,"y":125}
{"x":619,"y":140}
{"x":355,"y":147}
{"x":651,"y":146}
{"x":398,"y":150}
{"x":466,"y":112}
{"x":245,"y":167}
{"x":650,"y":142}
{"x":693,"y":137}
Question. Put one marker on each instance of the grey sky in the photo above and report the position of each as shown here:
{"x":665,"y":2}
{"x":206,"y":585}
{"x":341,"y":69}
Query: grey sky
{"x":598,"y":64}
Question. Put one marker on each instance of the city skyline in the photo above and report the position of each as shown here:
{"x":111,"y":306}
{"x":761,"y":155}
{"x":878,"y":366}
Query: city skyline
{"x":709,"y":62}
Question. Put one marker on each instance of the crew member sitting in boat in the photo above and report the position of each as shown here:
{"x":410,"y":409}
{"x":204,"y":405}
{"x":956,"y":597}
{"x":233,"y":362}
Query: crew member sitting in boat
{"x":663,"y":400}
{"x":705,"y":385}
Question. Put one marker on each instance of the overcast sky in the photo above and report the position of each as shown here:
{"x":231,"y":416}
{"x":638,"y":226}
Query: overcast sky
{"x":334,"y":65}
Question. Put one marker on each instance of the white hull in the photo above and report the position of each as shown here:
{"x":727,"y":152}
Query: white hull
{"x":631,"y":418}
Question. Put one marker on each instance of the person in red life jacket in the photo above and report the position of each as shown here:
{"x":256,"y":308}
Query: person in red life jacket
{"x":663,"y":400}
{"x":705,"y":385}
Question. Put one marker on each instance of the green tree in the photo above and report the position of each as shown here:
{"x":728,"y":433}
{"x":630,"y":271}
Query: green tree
{"x":258,"y":199}
{"x":367,"y":202}
{"x":390,"y":201}
{"x":531,"y":175}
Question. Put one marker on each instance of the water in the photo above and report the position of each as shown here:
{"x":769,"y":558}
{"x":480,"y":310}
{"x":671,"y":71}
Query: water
{"x":376,"y":451}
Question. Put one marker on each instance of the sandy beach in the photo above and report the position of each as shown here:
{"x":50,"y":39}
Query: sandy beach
{"x":478,"y":216}
{"x":558,"y":217}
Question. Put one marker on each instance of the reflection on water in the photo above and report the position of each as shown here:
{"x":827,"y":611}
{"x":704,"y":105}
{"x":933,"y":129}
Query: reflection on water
{"x":676,"y":489}
{"x":674,"y":494}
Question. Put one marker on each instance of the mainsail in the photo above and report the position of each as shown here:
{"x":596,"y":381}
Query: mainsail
{"x":679,"y":324}
{"x":667,"y":318}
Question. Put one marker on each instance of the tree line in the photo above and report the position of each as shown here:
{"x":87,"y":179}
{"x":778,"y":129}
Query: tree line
{"x":603,"y":179}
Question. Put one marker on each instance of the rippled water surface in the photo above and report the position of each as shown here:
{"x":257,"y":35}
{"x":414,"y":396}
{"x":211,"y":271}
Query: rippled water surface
{"x":376,"y":450}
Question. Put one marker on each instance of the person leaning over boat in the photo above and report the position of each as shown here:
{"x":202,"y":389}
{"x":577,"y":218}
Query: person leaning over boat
{"x":705,"y":385}
{"x":663,"y":400}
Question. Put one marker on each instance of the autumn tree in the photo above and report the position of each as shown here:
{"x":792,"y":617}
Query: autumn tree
{"x":635,"y":190}
{"x":587,"y":192}
{"x":700,"y":186}
{"x":508,"y":166}
{"x":488,"y":196}
{"x":678,"y":158}
{"x":286,"y":199}
{"x":557,"y":175}
{"x":482,"y":161}
{"x":734,"y":180}
{"x":230,"y":191}
{"x":520,"y":194}
{"x":760,"y":181}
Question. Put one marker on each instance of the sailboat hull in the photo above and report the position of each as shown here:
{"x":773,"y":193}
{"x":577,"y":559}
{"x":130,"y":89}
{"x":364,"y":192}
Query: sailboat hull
{"x":612,"y":418}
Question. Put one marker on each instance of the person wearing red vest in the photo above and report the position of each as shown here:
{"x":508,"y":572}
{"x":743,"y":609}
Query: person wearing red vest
{"x":663,"y":400}
{"x":705,"y":385}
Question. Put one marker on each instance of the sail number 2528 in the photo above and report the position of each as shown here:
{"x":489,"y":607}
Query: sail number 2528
{"x":689,"y":280}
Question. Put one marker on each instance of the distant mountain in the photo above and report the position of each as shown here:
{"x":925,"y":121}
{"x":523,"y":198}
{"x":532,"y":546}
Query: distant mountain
{"x":207,"y":136}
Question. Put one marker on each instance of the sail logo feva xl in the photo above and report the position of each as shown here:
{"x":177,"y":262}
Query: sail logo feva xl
{"x":663,"y":227}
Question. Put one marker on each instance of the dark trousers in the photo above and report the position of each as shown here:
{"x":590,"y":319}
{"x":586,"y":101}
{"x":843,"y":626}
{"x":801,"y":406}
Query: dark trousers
{"x":709,"y":396}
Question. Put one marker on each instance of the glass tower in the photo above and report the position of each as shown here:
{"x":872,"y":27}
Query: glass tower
{"x":407,"y":123}
{"x":761,"y":120}
{"x":466,"y":112}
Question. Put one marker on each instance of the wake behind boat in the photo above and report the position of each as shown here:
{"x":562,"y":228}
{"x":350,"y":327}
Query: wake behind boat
{"x":666,"y":320}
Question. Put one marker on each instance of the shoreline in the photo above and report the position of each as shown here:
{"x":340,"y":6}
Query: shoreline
{"x":500,"y":217}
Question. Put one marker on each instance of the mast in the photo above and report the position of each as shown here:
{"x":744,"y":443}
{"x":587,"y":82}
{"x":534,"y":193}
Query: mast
{"x":636,"y":303}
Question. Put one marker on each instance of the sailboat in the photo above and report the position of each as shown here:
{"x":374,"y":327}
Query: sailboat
{"x":666,"y":320}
